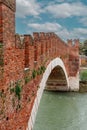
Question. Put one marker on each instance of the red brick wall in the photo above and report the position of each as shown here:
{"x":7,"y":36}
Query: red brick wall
{"x":73,"y":57}
{"x":29,"y":52}
{"x":7,"y":31}
{"x":18,"y":86}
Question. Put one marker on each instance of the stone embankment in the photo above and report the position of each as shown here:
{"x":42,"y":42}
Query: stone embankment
{"x":83,"y":86}
{"x":83,"y":79}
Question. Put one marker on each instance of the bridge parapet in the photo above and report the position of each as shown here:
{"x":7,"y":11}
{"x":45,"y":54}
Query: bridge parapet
{"x":43,"y":46}
{"x":35,"y":50}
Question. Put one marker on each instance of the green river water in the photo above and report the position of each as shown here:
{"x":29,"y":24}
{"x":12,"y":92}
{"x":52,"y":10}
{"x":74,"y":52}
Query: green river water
{"x":62,"y":111}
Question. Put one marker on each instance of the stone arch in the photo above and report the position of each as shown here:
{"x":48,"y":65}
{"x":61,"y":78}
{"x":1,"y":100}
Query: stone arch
{"x":54,"y":63}
{"x":57,"y":62}
{"x":57,"y":80}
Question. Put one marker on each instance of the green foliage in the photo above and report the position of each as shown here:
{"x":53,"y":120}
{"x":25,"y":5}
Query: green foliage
{"x":85,"y":42}
{"x":1,"y":93}
{"x":1,"y":45}
{"x":83,"y":48}
{"x":18,"y":107}
{"x":43,"y":68}
{"x":34,"y":74}
{"x":18,"y":90}
{"x":85,"y":52}
{"x":83,"y":75}
{"x":1,"y":62}
{"x":1,"y":112}
{"x":27,"y":79}
{"x":15,"y":89}
{"x":39,"y":71}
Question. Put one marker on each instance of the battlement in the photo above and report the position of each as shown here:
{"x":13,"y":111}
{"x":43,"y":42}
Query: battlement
{"x":9,"y":3}
{"x":20,"y":39}
{"x":73,"y":43}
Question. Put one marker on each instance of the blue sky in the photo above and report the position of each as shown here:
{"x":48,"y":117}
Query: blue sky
{"x":67,"y":18}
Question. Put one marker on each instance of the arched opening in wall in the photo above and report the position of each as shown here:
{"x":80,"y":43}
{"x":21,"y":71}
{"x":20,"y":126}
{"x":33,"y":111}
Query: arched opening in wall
{"x":57,"y":80}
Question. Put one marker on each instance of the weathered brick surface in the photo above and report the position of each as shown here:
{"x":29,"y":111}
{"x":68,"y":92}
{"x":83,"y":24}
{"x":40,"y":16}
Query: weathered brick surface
{"x":73,"y":57}
{"x":21,"y":57}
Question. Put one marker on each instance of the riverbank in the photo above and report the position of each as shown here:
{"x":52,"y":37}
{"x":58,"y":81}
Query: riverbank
{"x":83,"y":86}
{"x":83,"y":79}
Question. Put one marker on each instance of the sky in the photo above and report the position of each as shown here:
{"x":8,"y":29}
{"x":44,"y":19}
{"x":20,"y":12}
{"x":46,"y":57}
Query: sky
{"x":67,"y":18}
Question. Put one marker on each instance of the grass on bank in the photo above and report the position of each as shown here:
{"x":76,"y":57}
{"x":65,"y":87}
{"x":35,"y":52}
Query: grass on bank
{"x":83,"y":81}
{"x":83,"y":75}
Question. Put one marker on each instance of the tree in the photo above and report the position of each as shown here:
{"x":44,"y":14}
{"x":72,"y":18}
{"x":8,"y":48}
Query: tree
{"x":83,"y":48}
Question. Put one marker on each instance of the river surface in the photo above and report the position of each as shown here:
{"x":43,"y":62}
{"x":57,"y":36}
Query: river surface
{"x":62,"y":111}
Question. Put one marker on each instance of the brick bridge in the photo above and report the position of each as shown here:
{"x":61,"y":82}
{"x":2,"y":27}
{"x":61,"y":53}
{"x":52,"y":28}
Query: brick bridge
{"x":28,"y":64}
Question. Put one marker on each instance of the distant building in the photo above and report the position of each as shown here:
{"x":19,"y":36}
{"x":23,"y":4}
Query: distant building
{"x":83,"y":60}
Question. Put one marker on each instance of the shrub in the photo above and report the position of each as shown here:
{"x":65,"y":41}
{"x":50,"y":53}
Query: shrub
{"x":83,"y":75}
{"x":1,"y":45}
{"x":34,"y":74}
{"x":18,"y":90}
{"x":27,"y":79}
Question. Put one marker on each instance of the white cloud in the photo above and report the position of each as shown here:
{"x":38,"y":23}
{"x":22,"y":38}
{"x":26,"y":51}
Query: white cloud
{"x":65,"y":10}
{"x":62,"y":10}
{"x":27,"y":7}
{"x":49,"y":27}
{"x":57,"y":10}
{"x":78,"y":33}
{"x":62,"y":32}
{"x":84,"y":21}
{"x":82,"y":31}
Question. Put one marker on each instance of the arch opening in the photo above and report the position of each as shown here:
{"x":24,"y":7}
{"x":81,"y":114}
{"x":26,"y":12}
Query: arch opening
{"x":57,"y":80}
